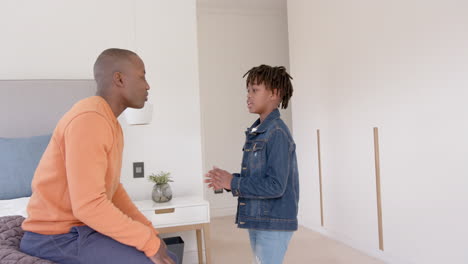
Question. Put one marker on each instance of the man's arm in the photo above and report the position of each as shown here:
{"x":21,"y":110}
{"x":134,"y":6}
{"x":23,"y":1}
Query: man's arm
{"x":122,"y":201}
{"x":88,"y":140}
{"x":125,"y":204}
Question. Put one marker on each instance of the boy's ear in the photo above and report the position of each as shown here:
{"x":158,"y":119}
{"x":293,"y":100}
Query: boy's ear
{"x":275,"y":94}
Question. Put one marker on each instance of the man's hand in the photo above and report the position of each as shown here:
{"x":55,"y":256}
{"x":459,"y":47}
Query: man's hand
{"x":161,"y":256}
{"x":218,"y":178}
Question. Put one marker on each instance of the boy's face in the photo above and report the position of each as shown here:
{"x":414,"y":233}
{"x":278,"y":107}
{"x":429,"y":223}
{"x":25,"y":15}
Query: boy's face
{"x":261,"y":100}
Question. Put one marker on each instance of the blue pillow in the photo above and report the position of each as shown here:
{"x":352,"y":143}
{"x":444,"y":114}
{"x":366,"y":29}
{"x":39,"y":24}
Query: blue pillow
{"x":18,"y":161}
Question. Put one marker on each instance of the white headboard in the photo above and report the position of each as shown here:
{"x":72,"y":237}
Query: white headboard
{"x":33,"y":107}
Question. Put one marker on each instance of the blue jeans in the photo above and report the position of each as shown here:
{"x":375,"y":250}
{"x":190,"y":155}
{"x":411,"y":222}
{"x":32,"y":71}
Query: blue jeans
{"x":82,"y":245}
{"x":269,"y":247}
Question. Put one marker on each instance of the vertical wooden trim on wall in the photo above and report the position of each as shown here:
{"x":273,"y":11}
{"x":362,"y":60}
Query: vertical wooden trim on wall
{"x":320,"y":175}
{"x":377,"y":181}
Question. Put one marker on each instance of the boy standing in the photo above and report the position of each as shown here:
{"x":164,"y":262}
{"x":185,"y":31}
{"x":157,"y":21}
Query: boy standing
{"x":268,"y":185}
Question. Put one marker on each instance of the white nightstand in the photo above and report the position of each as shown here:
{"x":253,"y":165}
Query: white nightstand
{"x":181,"y":214}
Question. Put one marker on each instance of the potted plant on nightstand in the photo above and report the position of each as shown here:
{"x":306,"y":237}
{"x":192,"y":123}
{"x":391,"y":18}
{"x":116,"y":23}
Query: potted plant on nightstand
{"x":161,"y":190}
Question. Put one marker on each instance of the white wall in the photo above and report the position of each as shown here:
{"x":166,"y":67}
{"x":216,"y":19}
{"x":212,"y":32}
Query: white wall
{"x":61,"y":39}
{"x":233,"y":37}
{"x":401,"y":66}
{"x":54,"y":40}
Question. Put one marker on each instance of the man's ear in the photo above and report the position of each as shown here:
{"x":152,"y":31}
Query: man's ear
{"x":117,"y":79}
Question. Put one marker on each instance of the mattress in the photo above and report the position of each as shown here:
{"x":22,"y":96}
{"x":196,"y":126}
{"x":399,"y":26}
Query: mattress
{"x":14,"y":207}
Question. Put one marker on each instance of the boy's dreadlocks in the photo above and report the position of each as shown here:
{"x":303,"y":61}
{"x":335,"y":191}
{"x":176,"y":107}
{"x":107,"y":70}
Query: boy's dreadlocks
{"x":276,"y":79}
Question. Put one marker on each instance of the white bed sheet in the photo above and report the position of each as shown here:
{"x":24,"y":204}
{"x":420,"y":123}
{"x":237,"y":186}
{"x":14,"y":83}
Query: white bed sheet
{"x":14,"y":206}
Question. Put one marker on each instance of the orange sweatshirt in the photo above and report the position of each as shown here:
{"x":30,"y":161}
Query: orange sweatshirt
{"x":77,"y":181}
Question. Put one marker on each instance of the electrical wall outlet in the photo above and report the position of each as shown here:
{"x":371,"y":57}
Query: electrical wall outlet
{"x":138,"y":170}
{"x":218,"y":191}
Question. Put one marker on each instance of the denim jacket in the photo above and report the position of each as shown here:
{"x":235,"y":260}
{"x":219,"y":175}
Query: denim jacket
{"x":268,"y":185}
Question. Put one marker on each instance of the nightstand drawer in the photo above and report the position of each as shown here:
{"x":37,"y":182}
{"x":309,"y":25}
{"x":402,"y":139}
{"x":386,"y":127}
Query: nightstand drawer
{"x":185,"y":210}
{"x":178,"y":216}
{"x":182,"y":213}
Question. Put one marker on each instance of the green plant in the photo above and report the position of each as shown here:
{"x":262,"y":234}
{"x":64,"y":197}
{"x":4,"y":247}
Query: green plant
{"x":160,"y":178}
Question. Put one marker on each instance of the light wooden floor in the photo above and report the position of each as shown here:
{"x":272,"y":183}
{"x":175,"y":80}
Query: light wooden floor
{"x":231,"y":245}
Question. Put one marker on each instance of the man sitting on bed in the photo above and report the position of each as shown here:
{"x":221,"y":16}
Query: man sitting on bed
{"x":79,"y":211}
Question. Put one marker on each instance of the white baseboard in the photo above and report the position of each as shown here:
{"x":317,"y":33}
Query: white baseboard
{"x":376,"y":253}
{"x":223,"y":211}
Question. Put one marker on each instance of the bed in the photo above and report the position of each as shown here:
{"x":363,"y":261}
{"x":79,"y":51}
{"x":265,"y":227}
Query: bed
{"x":10,"y":238}
{"x":29,"y":111}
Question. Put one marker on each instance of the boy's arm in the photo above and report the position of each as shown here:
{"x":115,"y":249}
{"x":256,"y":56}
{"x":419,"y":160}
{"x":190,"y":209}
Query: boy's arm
{"x":88,"y":140}
{"x":233,"y":175}
{"x":273,"y":183}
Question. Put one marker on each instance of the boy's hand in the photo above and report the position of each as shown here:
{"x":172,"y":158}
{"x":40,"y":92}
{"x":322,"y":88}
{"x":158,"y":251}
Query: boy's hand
{"x":211,"y":183}
{"x":161,"y":256}
{"x":218,"y":178}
